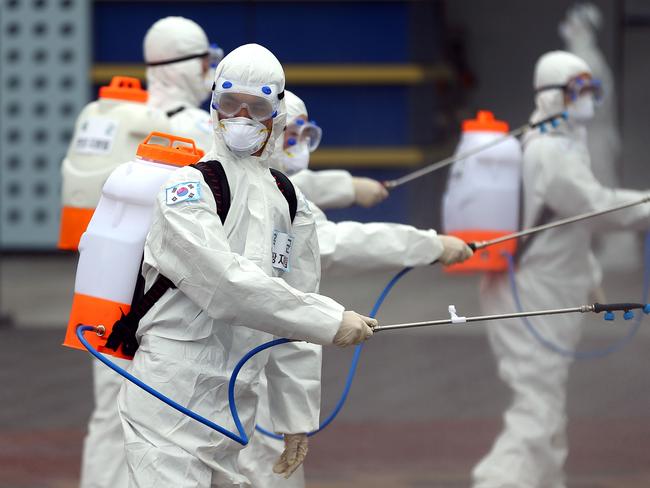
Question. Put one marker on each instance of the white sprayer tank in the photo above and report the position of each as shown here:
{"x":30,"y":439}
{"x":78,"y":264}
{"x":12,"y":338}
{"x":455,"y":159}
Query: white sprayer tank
{"x":107,"y":133}
{"x":110,"y":251}
{"x":481,"y":201}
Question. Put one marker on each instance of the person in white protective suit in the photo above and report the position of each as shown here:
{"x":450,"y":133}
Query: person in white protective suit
{"x":555,"y":270}
{"x":179,"y":75}
{"x":179,"y":78}
{"x":345,"y":246}
{"x":229,"y":297}
{"x":332,"y":188}
{"x":579,"y":31}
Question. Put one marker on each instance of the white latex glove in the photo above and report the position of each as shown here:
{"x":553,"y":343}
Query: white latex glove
{"x":454,"y":250}
{"x":368,"y":192}
{"x":295,"y":451}
{"x":354,"y":329}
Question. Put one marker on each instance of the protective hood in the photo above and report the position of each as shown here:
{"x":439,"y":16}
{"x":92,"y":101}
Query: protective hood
{"x":580,"y":26}
{"x":179,"y":83}
{"x":554,"y":68}
{"x":250,"y":65}
{"x":295,"y":108}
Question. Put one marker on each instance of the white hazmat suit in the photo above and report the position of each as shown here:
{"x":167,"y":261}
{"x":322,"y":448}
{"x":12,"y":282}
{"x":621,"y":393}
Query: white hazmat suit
{"x":555,"y":271}
{"x":579,"y":30}
{"x":229,"y":297}
{"x":177,"y":89}
{"x":348,"y":247}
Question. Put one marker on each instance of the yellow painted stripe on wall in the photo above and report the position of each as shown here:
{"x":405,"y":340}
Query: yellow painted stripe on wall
{"x":373,"y":74}
{"x":378,"y":156}
{"x":315,"y":74}
{"x":367,"y":157}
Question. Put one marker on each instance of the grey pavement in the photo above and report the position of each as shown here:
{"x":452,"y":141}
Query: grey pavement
{"x":424,"y":407}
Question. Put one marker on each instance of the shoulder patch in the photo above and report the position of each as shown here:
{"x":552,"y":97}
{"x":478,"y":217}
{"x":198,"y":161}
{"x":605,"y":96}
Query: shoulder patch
{"x":188,"y":191}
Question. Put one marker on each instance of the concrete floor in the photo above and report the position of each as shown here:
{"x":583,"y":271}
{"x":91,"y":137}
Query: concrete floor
{"x":425,"y":405}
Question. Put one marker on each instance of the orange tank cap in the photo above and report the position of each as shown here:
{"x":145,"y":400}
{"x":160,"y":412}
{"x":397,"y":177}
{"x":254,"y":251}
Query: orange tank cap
{"x":182,"y":154}
{"x":485,"y":122}
{"x":124,"y":88}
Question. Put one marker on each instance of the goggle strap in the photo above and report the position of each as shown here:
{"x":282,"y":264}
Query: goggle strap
{"x":551,"y":87}
{"x":178,"y":60}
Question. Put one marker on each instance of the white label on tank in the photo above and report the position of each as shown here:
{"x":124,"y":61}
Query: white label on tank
{"x":281,"y":250}
{"x":95,"y":136}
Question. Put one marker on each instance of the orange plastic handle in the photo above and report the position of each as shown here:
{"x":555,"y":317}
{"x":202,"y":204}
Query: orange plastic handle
{"x":172,"y":138}
{"x":124,"y":88}
{"x":176,"y":155}
{"x":125,"y":82}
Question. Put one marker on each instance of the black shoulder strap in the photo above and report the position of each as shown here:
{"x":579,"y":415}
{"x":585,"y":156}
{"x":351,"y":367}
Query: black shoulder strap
{"x":123,"y":332}
{"x":215,"y":176}
{"x":287,"y":189}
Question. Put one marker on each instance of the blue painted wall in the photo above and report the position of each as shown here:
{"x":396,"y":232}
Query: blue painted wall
{"x":305,"y":32}
{"x":359,"y":115}
{"x":309,"y":32}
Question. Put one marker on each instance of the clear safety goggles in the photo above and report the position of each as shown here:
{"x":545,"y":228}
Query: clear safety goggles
{"x":579,"y":86}
{"x":230,"y":104}
{"x":261,"y":102}
{"x":214,"y":55}
{"x":303,"y":132}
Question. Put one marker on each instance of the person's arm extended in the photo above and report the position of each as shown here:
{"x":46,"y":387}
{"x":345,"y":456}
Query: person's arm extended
{"x":331,"y":188}
{"x":572,"y":189}
{"x":371,"y":246}
{"x":188,"y":245}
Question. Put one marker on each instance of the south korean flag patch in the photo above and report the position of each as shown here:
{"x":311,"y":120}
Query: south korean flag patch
{"x":183,"y":192}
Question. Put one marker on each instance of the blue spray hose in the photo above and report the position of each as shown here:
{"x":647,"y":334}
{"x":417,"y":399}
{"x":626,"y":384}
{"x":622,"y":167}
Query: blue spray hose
{"x":584,"y":355}
{"x":353,"y":365}
{"x":240,"y":436}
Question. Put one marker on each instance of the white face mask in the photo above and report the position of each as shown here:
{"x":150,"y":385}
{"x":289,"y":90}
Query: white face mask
{"x":582,"y":110}
{"x":295,"y":158}
{"x":243,"y":136}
